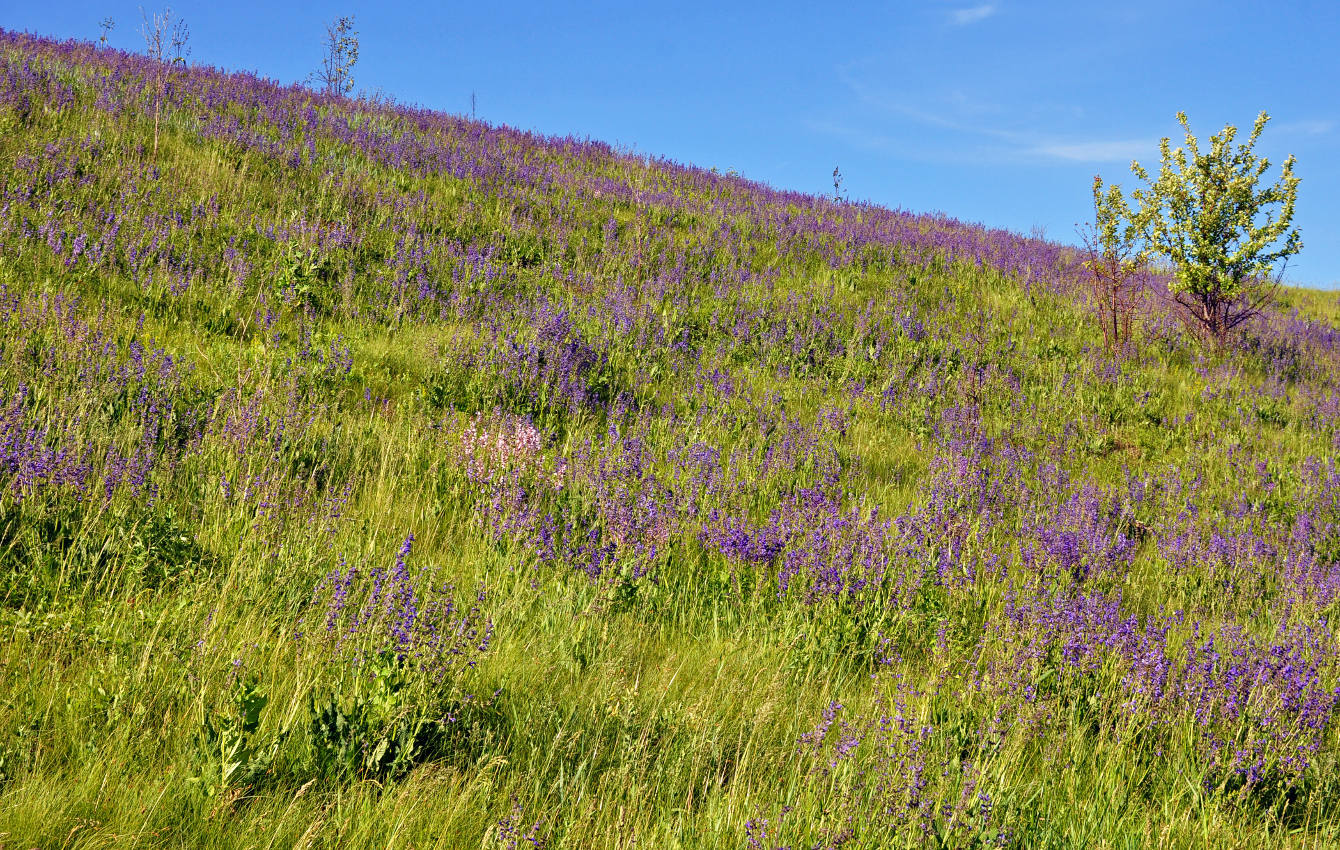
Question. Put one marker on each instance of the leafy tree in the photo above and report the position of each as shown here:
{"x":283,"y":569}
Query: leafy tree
{"x":1222,"y":233}
{"x":336,"y":73}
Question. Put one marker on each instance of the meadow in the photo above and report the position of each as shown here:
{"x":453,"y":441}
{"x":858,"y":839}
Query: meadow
{"x":376,"y":477}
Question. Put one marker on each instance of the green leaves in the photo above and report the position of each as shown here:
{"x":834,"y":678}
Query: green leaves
{"x":227,"y":752}
{"x":376,"y":726}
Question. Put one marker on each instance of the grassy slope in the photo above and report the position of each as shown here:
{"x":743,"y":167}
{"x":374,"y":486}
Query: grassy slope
{"x":623,"y":711}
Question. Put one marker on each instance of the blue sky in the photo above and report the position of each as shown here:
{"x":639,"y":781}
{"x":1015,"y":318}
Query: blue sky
{"x":996,"y":112}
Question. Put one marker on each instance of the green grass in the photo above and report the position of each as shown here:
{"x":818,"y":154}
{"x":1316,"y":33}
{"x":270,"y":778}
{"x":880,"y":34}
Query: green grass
{"x":661,"y":712}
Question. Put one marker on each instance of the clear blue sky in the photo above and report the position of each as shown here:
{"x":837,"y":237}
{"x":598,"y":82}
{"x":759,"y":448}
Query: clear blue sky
{"x":998,"y":112}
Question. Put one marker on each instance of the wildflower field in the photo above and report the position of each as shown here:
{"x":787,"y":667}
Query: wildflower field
{"x":374,"y":477}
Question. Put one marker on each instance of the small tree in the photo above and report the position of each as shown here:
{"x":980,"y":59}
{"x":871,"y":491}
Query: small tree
{"x":1221,"y":233}
{"x":336,"y":73}
{"x":1116,"y":263}
{"x":163,"y":34}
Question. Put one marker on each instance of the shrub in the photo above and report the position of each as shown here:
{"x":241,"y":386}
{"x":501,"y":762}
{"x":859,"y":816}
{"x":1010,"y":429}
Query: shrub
{"x":1115,"y":264}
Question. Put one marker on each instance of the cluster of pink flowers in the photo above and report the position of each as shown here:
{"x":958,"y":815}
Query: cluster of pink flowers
{"x":494,"y":446}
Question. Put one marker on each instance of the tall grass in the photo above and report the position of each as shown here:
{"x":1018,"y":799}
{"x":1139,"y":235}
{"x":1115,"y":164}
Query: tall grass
{"x":372,"y":477}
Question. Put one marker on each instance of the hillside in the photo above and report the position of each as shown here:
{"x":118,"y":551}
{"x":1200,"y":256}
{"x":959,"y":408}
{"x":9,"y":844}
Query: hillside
{"x":373,"y":477}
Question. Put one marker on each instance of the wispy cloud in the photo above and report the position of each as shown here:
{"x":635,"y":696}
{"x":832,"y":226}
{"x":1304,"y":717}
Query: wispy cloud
{"x":1116,"y":150}
{"x":857,"y":136}
{"x":1305,"y":127}
{"x":972,"y":14}
{"x":969,"y":127}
